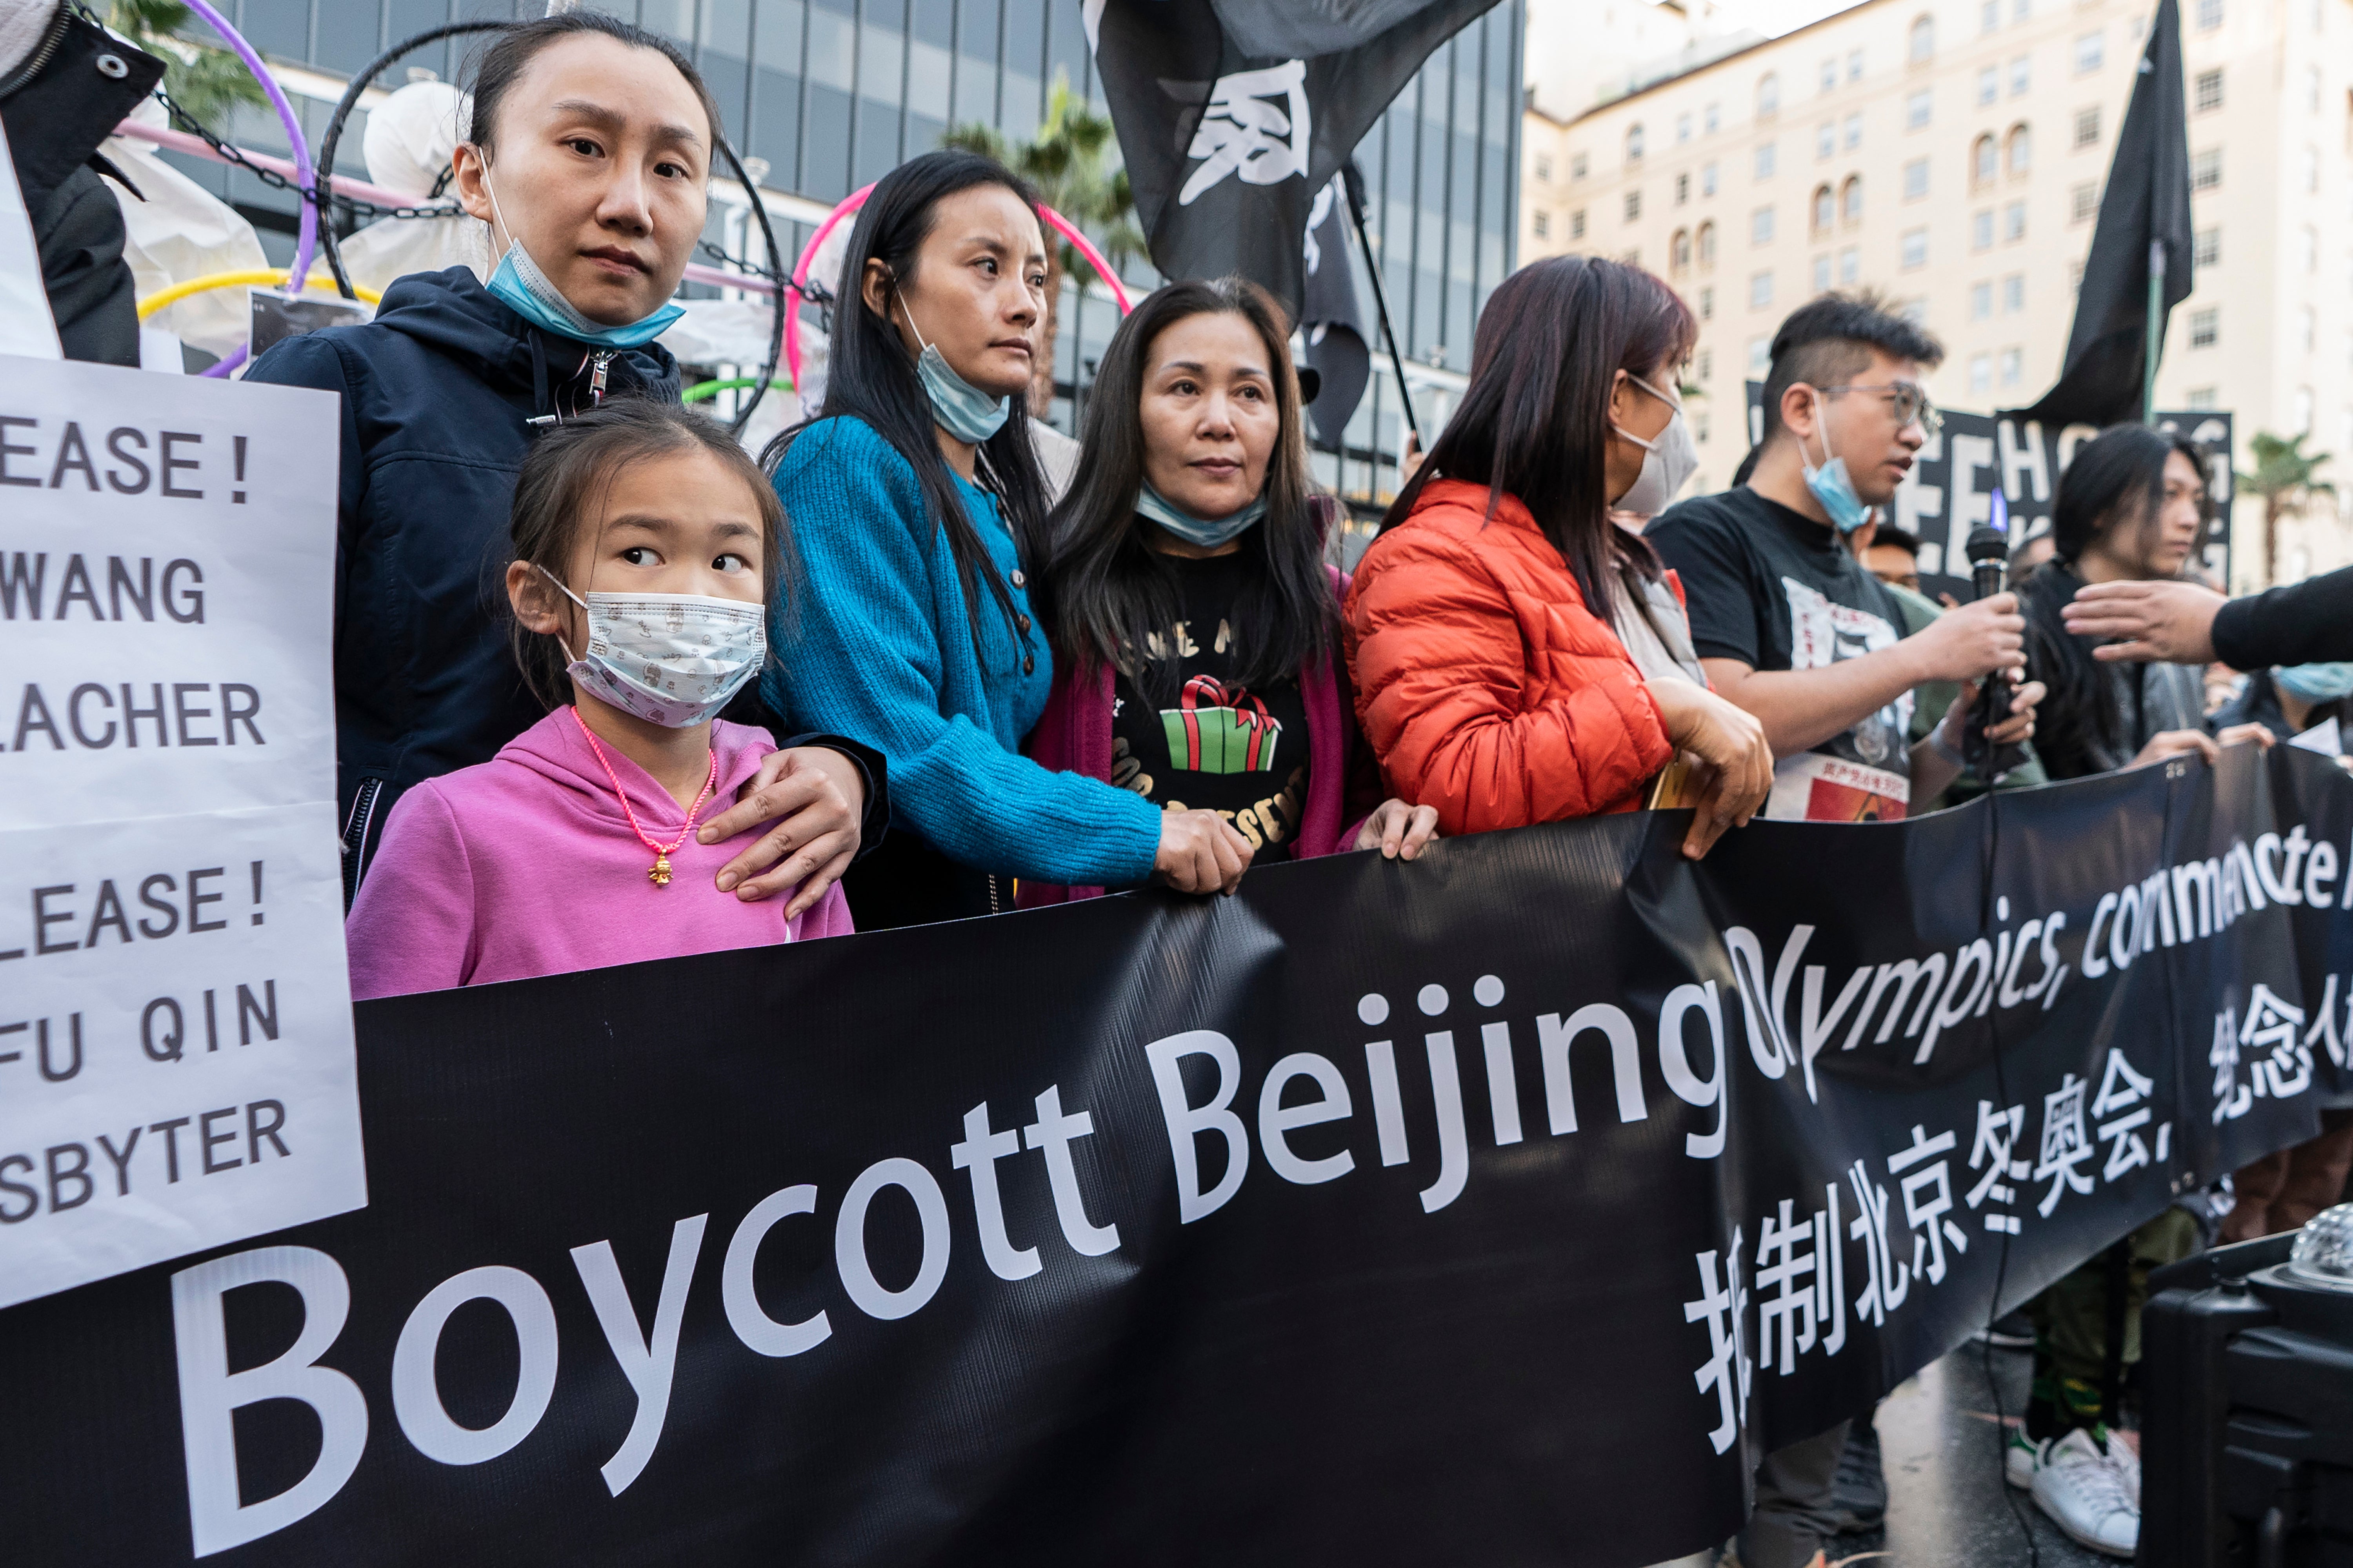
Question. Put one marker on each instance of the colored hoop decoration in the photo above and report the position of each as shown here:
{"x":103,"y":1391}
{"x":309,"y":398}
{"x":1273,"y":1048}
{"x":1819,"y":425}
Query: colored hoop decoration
{"x":857,"y":198}
{"x":260,"y":276}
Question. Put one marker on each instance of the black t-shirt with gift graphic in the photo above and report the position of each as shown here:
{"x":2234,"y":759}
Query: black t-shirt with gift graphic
{"x":1776,"y":590}
{"x":1216,"y":746}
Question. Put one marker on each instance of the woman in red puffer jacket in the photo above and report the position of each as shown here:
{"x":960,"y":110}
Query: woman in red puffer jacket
{"x":1489,"y":626}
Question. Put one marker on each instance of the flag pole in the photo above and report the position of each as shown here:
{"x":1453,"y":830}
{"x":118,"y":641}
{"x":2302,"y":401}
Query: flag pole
{"x":2156,"y":330}
{"x":1381,"y":303}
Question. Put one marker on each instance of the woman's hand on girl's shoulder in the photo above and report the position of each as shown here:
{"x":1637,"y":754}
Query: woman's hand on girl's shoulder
{"x":1398,"y":830}
{"x":815,"y":798}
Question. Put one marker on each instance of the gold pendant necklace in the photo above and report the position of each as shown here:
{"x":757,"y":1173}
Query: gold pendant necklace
{"x":658,"y":873}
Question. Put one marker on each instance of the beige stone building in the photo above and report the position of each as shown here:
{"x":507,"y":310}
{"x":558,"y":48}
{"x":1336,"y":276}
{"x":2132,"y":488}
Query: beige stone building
{"x":1951,"y":154}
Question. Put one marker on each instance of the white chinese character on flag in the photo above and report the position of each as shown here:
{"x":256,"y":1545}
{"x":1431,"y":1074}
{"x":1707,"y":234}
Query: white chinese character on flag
{"x":2121,"y":1089}
{"x":1928,"y":1199}
{"x":1243,"y":134}
{"x":2231,"y":1098}
{"x":2065,"y":1144}
{"x":2325,"y":1031}
{"x":2275,"y":1033}
{"x":1785,"y":1261}
{"x":1890,"y":1278}
{"x":1727,"y":1370}
{"x":1997,"y":1134}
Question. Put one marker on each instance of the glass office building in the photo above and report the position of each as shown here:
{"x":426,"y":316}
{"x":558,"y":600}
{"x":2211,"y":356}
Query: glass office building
{"x":831,"y":94}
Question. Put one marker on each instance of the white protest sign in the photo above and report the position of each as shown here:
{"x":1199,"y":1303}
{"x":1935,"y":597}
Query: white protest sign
{"x":175,"y":1027}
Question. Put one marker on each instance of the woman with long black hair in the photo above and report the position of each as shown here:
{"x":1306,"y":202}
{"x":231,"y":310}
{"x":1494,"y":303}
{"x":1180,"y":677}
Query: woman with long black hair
{"x":1195,"y":627}
{"x":919,"y":513}
{"x":1518,"y":656}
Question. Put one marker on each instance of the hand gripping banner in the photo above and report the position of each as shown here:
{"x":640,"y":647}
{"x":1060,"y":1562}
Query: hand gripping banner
{"x":1504,"y":1207}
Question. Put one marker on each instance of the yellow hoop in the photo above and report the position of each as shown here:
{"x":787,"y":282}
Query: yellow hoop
{"x":256,"y":277}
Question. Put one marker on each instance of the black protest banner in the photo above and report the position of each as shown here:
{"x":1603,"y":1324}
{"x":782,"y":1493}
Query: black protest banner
{"x":1958,"y":471}
{"x":1501,"y":1207}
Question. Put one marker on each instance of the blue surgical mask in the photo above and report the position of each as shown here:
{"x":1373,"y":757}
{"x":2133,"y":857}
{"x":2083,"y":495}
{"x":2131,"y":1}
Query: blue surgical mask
{"x":958,"y":407}
{"x":1208,"y":535}
{"x":1829,"y":483}
{"x":2314,"y":683}
{"x":523,"y":287}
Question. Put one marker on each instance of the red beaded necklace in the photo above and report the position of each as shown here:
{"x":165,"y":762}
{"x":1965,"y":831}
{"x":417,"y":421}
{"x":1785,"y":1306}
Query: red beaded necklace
{"x":659,"y":873}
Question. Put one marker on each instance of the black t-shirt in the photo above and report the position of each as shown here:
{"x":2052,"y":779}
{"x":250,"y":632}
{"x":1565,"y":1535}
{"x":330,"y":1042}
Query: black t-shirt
{"x":1776,"y":590}
{"x":1216,"y":747}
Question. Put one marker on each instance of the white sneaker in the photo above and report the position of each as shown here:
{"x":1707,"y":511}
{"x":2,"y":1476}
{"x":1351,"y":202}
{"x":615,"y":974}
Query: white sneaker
{"x":2020,"y":1459}
{"x":2094,"y":1497}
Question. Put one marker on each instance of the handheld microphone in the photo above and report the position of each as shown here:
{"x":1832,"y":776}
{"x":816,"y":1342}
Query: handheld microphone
{"x":1989,"y":553}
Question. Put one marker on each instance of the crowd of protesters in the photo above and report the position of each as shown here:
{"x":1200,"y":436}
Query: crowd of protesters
{"x":891,"y":673}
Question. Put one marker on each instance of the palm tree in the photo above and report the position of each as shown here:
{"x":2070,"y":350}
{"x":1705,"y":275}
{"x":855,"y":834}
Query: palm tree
{"x":2284,"y":478}
{"x":1068,"y":161}
{"x":208,"y":81}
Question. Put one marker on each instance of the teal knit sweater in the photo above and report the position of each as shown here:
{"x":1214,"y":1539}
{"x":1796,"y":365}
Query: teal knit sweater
{"x":879,"y":648}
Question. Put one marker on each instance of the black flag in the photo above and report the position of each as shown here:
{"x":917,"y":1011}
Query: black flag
{"x":1333,"y":321}
{"x":2144,"y":220}
{"x":1232,"y":114}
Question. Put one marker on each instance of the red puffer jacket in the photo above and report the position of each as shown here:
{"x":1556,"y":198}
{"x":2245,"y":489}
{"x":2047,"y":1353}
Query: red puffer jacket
{"x":1483,"y":684}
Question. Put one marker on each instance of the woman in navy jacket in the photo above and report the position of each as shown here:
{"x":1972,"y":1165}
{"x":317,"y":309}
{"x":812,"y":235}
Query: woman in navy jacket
{"x":588,"y":155}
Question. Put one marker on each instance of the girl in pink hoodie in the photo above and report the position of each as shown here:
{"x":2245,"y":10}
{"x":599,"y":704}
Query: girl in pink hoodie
{"x":647,"y":546}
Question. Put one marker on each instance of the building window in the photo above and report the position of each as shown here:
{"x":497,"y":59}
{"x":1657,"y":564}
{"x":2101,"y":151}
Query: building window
{"x":2018,"y":150}
{"x":2206,"y":250}
{"x":1760,"y":355}
{"x":1761,"y":290}
{"x":2210,"y":15}
{"x":1634,"y":142}
{"x":2013,"y":223}
{"x":1764,"y":159}
{"x":1702,"y":425}
{"x":2075,"y":279}
{"x":1706,"y":246}
{"x":1851,"y":133}
{"x":2203,"y":397}
{"x":1761,"y":227}
{"x":1821,"y":274}
{"x":1543,"y":168}
{"x":1708,"y":304}
{"x":1683,"y":187}
{"x":1915,"y":248}
{"x":2210,"y":90}
{"x":2084,"y":202}
{"x":1826,"y":140}
{"x":2013,"y":293}
{"x":2302,"y":419}
{"x":1984,"y":159}
{"x":1989,"y":15}
{"x":1707,"y":180}
{"x":1577,"y":165}
{"x":1678,"y":252}
{"x":1988,"y":84}
{"x":2022,"y":75}
{"x":1916,"y":109}
{"x":1915,"y":311}
{"x":1633,"y":205}
{"x":2013,"y":365}
{"x":1768,"y":95}
{"x":1683,"y":128}
{"x":1706,"y":364}
{"x":2021,"y":10}
{"x":1854,"y":65}
{"x":2310,"y":166}
{"x":2205,"y":328}
{"x":1981,"y":301}
{"x":1850,"y":265}
{"x":1825,"y":209}
{"x":1829,"y":76}
{"x":1715,"y":118}
{"x":2206,"y":169}
{"x":1980,"y":372}
{"x":1543,"y":223}
{"x":2311,"y":251}
{"x":2312,"y":91}
{"x":1577,"y":224}
{"x":2091,"y":52}
{"x":1851,"y":199}
{"x":1981,"y":230}
{"x":1922,"y":46}
{"x":2088,"y":126}
{"x":1916,"y":180}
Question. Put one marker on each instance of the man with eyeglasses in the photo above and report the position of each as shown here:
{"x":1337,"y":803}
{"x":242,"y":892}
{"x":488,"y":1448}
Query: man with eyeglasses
{"x":1788,"y":624}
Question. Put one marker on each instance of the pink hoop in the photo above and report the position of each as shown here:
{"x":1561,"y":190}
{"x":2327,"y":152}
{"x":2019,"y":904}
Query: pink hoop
{"x":856,"y":199}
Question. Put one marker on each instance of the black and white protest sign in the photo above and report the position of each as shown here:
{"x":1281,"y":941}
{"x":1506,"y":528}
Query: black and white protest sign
{"x":1501,"y":1207}
{"x":176,"y":1042}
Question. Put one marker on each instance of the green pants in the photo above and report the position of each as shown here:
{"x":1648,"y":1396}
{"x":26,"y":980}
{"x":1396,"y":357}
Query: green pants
{"x":2078,"y":1374}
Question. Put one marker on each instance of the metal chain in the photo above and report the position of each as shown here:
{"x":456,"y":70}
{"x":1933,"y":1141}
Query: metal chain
{"x":276,"y":181}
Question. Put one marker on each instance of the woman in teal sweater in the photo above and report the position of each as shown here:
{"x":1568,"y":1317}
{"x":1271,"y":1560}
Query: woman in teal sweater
{"x":918,"y":510}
